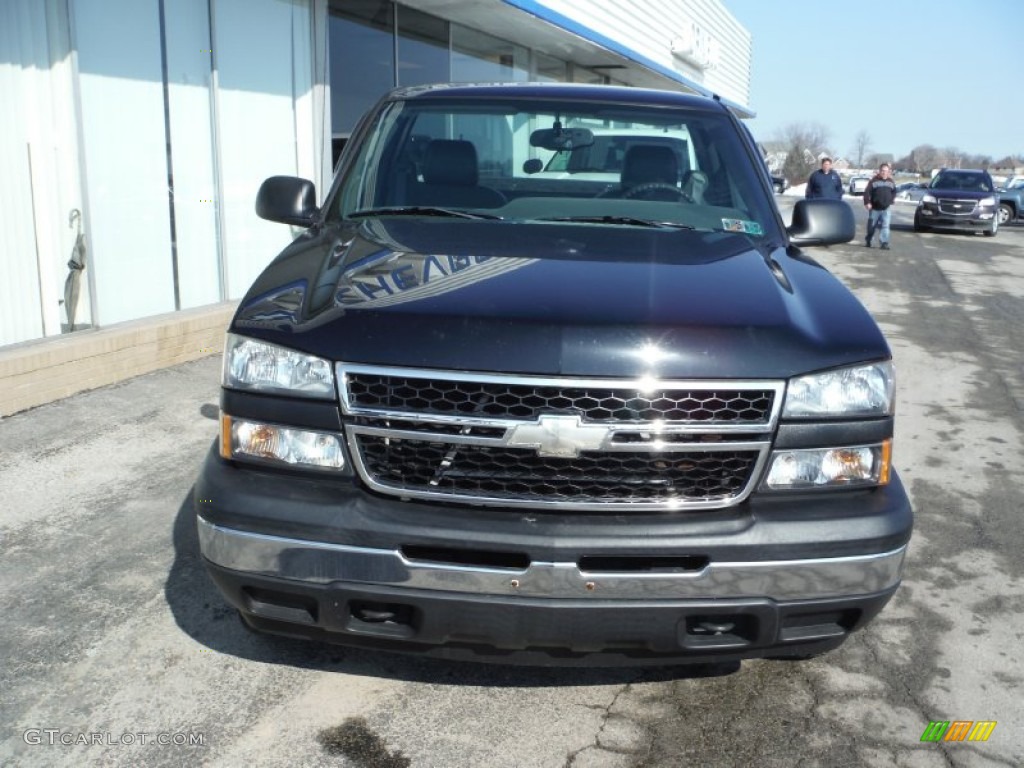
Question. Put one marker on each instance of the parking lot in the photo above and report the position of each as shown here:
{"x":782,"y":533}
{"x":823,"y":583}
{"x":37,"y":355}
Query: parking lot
{"x":117,"y":649}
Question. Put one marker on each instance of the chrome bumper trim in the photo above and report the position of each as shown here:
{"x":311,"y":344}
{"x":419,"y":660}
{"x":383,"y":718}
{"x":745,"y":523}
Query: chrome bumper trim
{"x":322,"y":563}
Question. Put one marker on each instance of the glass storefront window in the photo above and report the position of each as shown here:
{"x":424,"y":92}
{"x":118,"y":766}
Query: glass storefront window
{"x":362,"y":51}
{"x":125,"y":145}
{"x":549,"y":69}
{"x":479,"y":57}
{"x":422,"y":48}
{"x":584,"y":75}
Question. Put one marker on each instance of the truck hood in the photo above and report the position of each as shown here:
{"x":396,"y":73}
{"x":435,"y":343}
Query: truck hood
{"x":555,"y":298}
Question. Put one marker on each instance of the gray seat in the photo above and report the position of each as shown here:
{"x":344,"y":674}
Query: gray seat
{"x":451,"y":178}
{"x":649,"y":164}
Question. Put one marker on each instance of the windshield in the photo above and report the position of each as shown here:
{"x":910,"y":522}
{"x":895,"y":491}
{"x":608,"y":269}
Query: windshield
{"x":522,"y":159}
{"x":962,"y":180}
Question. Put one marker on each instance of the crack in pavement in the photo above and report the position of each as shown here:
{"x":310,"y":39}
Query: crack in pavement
{"x":909,"y":695}
{"x":570,"y":759}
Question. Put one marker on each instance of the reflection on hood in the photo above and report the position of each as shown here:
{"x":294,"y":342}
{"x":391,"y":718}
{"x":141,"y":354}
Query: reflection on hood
{"x":394,"y":277}
{"x":283,"y":303}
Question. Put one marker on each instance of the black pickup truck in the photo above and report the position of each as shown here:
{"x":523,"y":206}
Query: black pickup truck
{"x":484,"y":411}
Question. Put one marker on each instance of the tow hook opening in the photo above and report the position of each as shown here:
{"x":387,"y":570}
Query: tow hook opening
{"x":282,"y":606}
{"x":387,"y":619}
{"x":720,"y":631}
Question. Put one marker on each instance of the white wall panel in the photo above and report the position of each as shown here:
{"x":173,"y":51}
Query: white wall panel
{"x":649,"y":27}
{"x":38,"y":169}
{"x":20,"y":316}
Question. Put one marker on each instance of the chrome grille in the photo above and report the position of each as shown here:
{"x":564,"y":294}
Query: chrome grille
{"x":543,"y":442}
{"x":957,"y":207}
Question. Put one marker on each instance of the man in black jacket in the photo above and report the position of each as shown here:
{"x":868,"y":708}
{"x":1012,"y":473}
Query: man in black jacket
{"x":878,"y":196}
{"x":824,"y":182}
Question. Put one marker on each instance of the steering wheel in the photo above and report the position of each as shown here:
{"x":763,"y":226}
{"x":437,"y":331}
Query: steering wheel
{"x":659,"y":186}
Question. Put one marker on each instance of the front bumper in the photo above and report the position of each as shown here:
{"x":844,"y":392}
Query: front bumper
{"x":978,"y":220}
{"x":325,"y":564}
{"x":322,"y":558}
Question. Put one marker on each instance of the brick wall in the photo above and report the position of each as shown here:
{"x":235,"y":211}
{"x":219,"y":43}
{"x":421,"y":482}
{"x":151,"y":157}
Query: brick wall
{"x":40,"y":372}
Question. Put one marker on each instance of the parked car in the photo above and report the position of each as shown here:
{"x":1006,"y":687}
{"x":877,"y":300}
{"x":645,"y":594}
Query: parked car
{"x":858,"y":184}
{"x":963,"y":199}
{"x":910,"y":191}
{"x":1011,"y":200}
{"x":479,"y":412}
{"x":780,"y":184}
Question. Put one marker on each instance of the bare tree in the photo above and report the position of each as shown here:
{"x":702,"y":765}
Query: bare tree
{"x":861,"y":145}
{"x":925,"y":158}
{"x":805,"y":143}
{"x":953,"y":157}
{"x":977,"y":161}
{"x":875,"y":159}
{"x":810,"y":136}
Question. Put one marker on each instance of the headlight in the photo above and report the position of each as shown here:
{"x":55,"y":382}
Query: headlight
{"x":864,"y":465}
{"x":260,"y":367}
{"x":866,"y":390}
{"x":987,"y":201}
{"x":253,"y":440}
{"x":929,"y":199}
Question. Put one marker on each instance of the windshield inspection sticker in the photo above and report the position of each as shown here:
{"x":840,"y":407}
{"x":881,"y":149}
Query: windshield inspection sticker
{"x":739,"y":225}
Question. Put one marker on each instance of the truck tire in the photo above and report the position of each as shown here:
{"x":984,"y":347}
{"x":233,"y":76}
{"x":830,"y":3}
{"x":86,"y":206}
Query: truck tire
{"x":1005,"y":213}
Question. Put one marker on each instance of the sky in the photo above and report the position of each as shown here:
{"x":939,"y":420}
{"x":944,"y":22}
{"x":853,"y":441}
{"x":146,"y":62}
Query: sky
{"x":944,"y":72}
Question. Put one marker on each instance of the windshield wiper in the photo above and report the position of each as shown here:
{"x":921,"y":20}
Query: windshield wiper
{"x":624,"y":220}
{"x":421,"y":210}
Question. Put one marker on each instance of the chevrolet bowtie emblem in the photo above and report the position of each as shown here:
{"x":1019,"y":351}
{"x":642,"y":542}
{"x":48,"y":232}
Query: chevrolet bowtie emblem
{"x":561,"y":436}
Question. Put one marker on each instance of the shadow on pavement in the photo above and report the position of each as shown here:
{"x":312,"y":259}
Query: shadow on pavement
{"x":203,"y":615}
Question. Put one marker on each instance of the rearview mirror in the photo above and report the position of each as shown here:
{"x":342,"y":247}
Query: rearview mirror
{"x":558,"y":139}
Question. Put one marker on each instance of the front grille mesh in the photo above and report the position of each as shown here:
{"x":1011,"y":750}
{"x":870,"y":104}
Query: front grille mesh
{"x":501,"y":440}
{"x":528,"y":401}
{"x":522,"y":474}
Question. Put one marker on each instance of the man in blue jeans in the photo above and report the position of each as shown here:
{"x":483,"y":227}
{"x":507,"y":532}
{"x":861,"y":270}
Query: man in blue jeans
{"x":878,"y":196}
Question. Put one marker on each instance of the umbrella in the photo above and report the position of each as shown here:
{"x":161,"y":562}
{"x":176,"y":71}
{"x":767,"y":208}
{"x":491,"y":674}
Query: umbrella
{"x":75,"y":264}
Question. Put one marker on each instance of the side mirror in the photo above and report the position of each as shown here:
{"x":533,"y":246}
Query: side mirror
{"x":287,"y":200}
{"x":822,"y":222}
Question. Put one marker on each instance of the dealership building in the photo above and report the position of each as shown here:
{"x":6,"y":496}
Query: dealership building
{"x":135,"y":134}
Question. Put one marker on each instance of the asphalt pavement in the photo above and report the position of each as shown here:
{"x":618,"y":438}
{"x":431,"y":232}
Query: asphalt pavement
{"x":117,"y":650}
